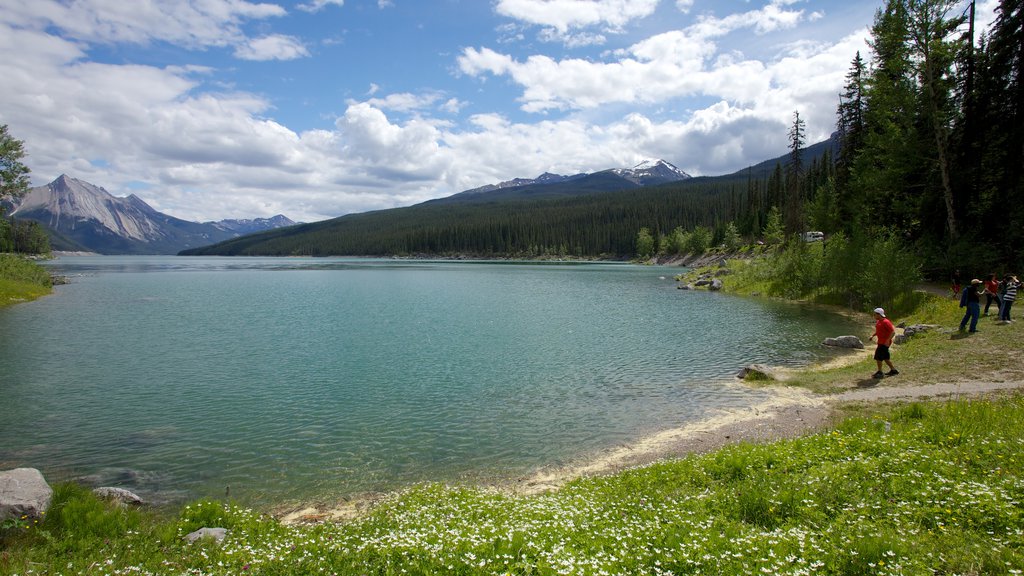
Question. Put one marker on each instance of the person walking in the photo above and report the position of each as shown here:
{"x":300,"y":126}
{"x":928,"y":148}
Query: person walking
{"x":971,"y":299}
{"x":884,"y":333}
{"x":1012,"y":286}
{"x":992,"y":294}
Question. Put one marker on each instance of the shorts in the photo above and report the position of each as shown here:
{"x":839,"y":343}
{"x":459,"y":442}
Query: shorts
{"x":882,"y":352}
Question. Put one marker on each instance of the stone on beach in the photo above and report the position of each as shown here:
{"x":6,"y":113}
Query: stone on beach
{"x":23,"y":492}
{"x":119,"y":495}
{"x":844,"y":342}
{"x":217,"y":534}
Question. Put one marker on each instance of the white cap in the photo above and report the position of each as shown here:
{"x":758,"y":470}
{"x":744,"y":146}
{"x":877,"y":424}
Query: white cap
{"x":880,"y":312}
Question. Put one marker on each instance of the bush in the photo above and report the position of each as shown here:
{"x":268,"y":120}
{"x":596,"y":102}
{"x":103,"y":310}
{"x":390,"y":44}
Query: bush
{"x":19,"y":269}
{"x":76,"y":514}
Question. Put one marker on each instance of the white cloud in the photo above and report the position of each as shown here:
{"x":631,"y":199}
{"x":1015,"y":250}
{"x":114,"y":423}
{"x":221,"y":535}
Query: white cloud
{"x":273,"y":47}
{"x":318,"y":5}
{"x":661,"y":68}
{"x":564,"y":15}
{"x":191,"y":24}
{"x":209,"y":155}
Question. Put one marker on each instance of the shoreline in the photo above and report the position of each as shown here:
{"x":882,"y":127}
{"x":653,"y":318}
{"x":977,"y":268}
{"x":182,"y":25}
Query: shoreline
{"x":789,"y":412}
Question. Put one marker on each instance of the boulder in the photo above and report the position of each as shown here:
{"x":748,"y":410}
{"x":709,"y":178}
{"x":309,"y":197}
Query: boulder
{"x":217,"y":534}
{"x":844,"y":342}
{"x":910,"y":331}
{"x":757,"y":372}
{"x":23,"y":492}
{"x":918,"y":329}
{"x":685,"y":286}
{"x":119,"y":495}
{"x":702,"y":282}
{"x":715,"y":285}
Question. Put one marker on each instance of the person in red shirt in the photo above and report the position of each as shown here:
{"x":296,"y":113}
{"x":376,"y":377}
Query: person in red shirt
{"x":884,"y":332}
{"x":992,"y":293}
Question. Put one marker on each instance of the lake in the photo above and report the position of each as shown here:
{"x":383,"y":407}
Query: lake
{"x":292,"y":379}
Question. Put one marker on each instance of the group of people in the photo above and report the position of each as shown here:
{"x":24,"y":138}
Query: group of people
{"x":1002,"y":292}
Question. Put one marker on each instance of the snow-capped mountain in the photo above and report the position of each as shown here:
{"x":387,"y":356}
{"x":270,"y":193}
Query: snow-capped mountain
{"x":83,"y":216}
{"x":646,"y":173}
{"x":651,"y":172}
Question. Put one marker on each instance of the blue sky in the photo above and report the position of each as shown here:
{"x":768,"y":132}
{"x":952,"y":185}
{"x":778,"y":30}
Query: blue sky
{"x":211,"y":109}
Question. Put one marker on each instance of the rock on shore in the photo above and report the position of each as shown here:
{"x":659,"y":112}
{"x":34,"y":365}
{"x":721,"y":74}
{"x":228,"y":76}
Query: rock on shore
{"x":23,"y":492}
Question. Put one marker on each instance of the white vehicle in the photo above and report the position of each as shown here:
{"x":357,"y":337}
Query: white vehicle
{"x":813,"y":236}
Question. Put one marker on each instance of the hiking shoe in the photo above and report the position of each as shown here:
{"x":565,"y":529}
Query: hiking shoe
{"x":892,"y":372}
{"x":877,"y":375}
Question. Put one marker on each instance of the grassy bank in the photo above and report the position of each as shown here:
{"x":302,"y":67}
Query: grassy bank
{"x":22,"y":280}
{"x":916,"y":489}
{"x":941,"y":354}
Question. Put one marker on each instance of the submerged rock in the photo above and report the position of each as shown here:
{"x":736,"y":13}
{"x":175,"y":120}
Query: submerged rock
{"x":757,"y":372}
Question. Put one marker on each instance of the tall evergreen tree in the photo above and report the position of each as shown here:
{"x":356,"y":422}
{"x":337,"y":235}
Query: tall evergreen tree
{"x":851,"y":132}
{"x":934,"y":49}
{"x":793,"y":212}
{"x":886,"y":172}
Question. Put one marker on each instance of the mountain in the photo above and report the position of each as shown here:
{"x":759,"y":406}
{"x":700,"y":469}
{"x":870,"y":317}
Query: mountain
{"x":588,"y":215}
{"x":82,"y":216}
{"x":548,"y":185}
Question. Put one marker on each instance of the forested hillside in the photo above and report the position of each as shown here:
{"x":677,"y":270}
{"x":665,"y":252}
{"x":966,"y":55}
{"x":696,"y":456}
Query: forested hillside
{"x":602,"y":224}
{"x":930,"y":134}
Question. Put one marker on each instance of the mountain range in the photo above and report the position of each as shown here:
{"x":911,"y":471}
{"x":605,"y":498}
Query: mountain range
{"x":584,"y":215}
{"x":84,"y":217}
{"x":548,"y":185}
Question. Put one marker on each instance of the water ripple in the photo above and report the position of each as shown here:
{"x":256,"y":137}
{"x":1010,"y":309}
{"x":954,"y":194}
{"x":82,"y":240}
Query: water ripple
{"x":302,"y":378}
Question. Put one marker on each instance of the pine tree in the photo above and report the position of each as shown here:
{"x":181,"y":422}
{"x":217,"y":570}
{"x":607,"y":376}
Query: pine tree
{"x":794,"y":210}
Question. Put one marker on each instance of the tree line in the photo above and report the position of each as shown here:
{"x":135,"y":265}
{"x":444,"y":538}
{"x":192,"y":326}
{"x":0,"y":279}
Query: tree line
{"x":931,"y":142}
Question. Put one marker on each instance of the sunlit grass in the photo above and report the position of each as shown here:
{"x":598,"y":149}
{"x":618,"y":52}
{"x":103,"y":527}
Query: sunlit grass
{"x":21,"y":280}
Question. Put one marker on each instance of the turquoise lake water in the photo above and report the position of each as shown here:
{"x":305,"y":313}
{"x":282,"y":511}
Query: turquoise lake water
{"x":307,"y":379}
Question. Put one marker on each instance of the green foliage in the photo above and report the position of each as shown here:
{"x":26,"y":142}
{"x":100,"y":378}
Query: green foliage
{"x":13,"y":174}
{"x":19,"y":269}
{"x":773,"y":232}
{"x":796,"y":269}
{"x":859,"y":273}
{"x":731,"y":237}
{"x":76,"y":514}
{"x":698,"y":241}
{"x":22,"y":279}
{"x":23,"y":236}
{"x":644,"y":243}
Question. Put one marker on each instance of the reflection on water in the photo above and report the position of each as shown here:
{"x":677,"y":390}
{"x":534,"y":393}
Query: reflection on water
{"x":291,"y":378}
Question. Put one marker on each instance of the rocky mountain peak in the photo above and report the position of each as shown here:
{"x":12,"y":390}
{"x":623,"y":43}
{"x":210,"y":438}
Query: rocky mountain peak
{"x":96,"y":220}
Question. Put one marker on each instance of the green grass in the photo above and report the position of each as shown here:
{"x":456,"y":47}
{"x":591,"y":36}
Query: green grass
{"x":918,"y":489}
{"x":22,"y":280}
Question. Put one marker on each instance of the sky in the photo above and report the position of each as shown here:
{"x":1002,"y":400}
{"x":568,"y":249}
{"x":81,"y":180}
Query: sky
{"x":215,"y":109}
